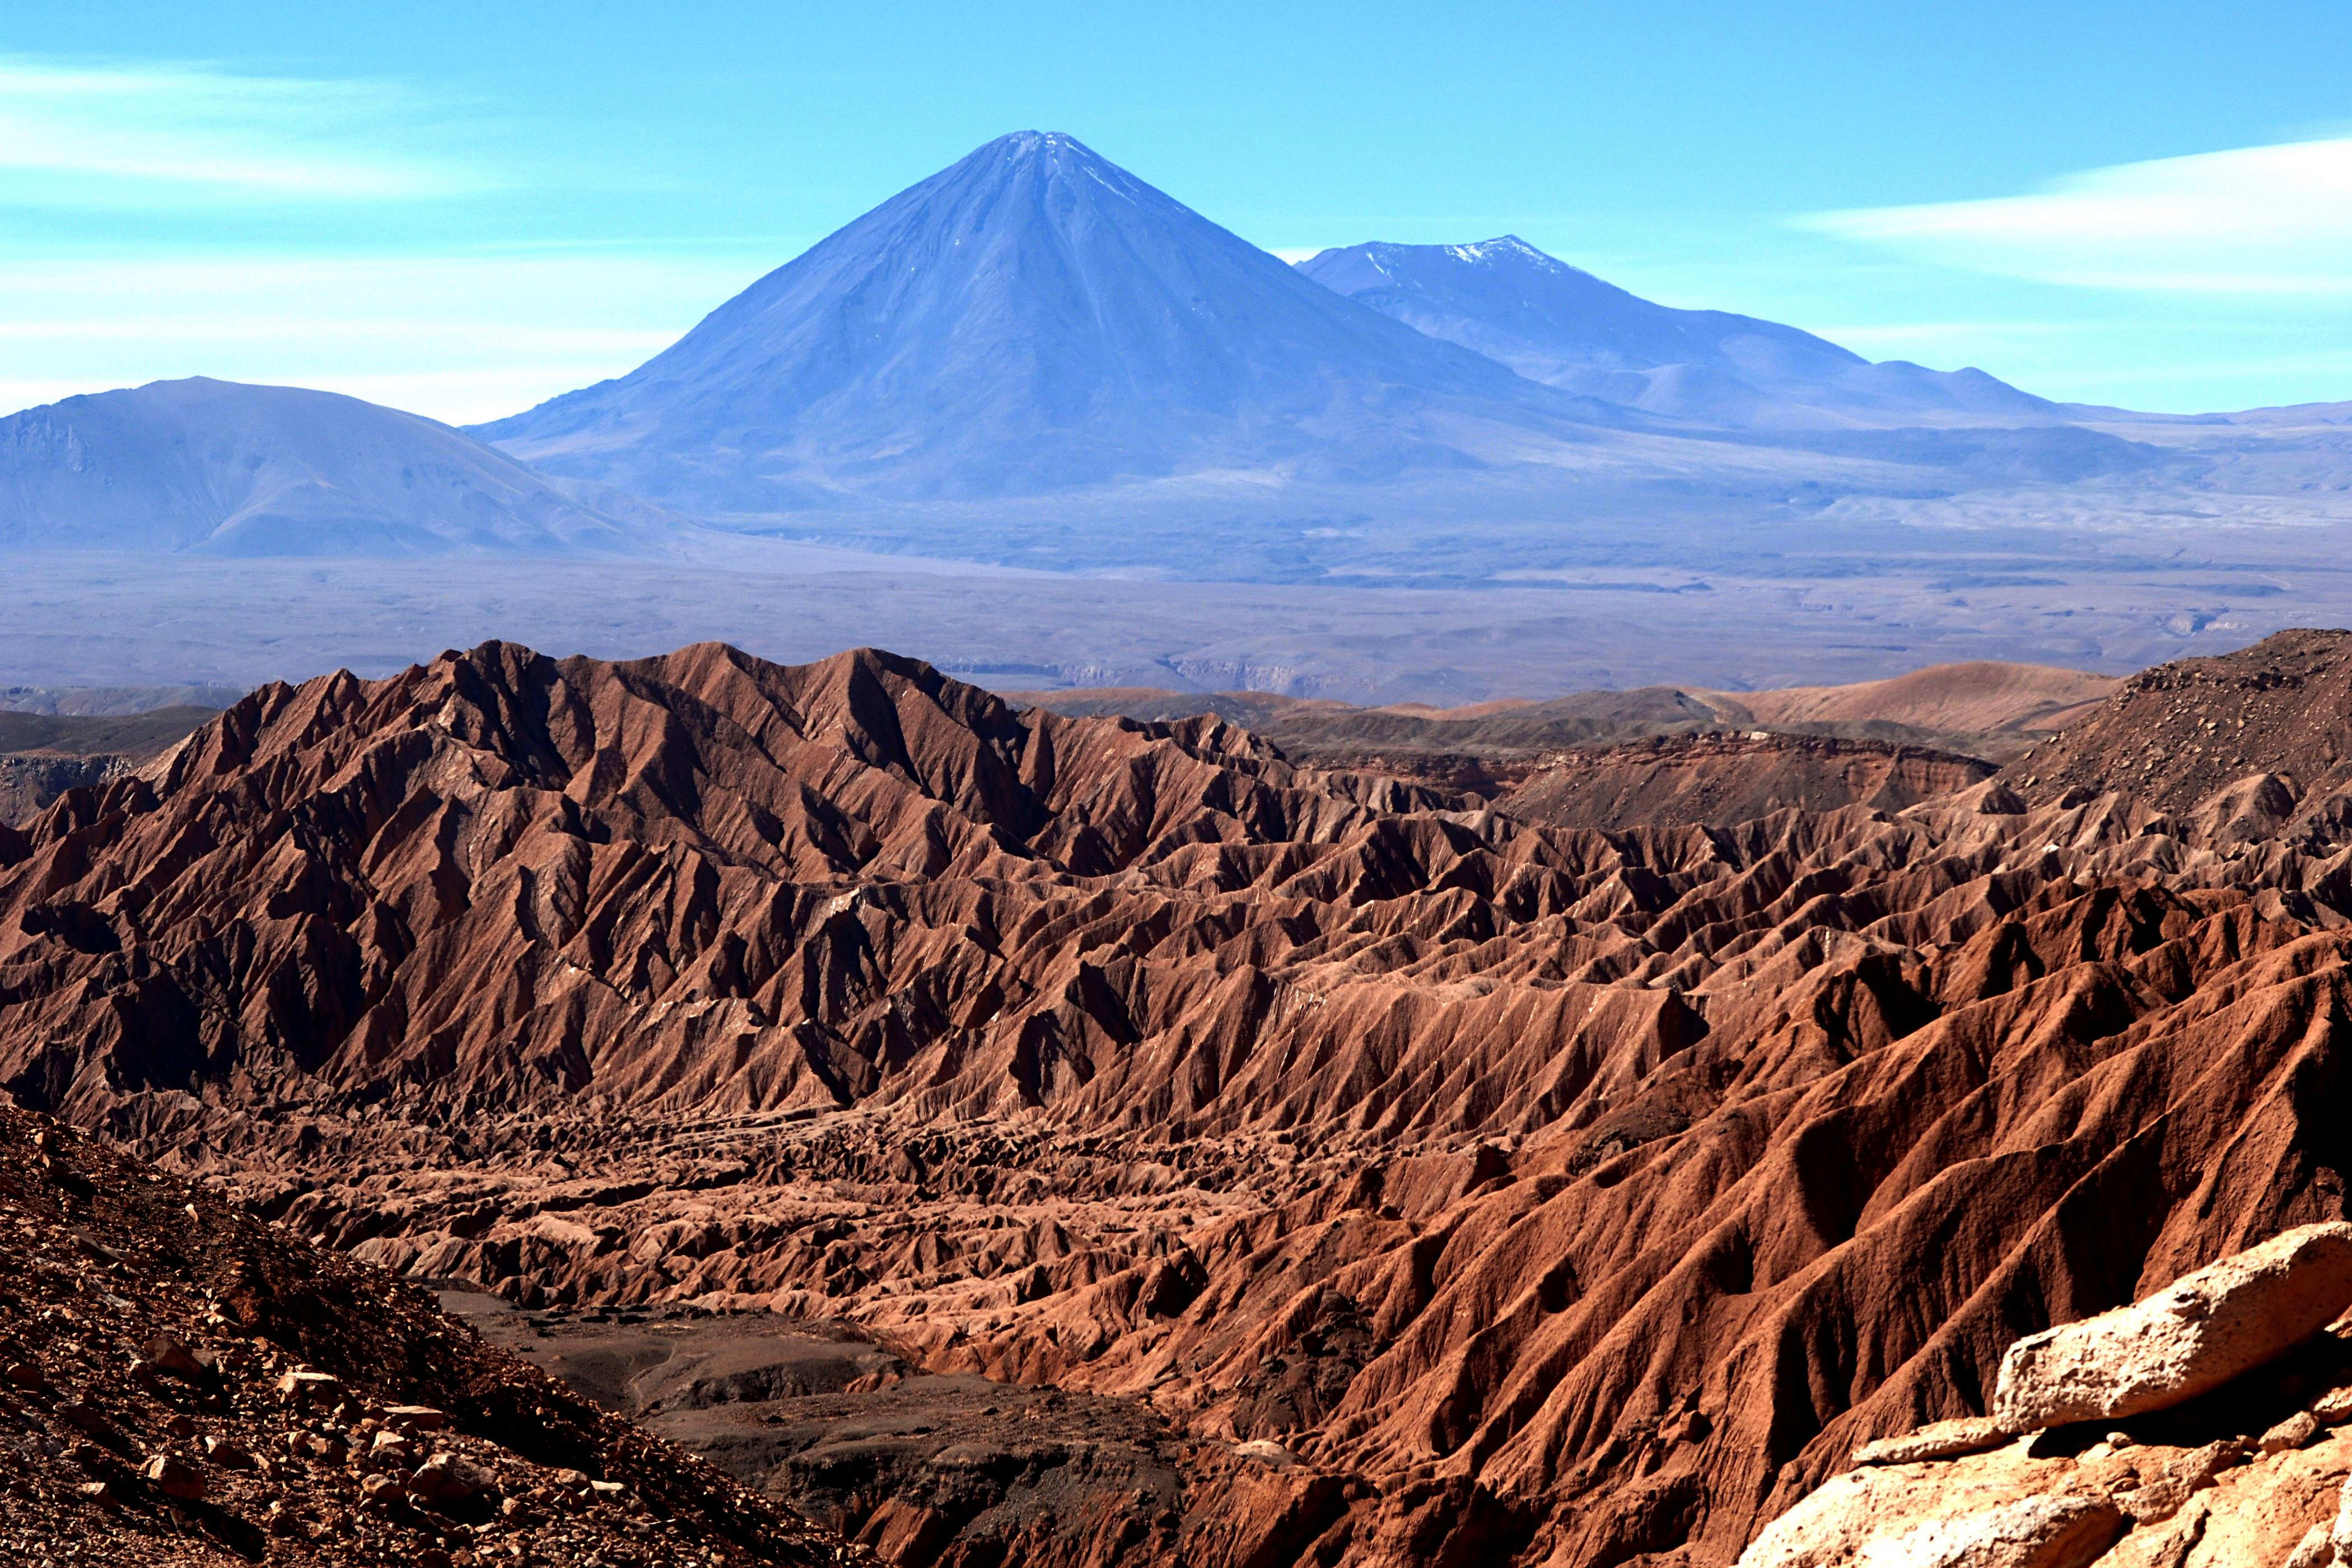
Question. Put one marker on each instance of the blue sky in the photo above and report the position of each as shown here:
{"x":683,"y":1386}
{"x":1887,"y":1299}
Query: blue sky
{"x":464,"y":209}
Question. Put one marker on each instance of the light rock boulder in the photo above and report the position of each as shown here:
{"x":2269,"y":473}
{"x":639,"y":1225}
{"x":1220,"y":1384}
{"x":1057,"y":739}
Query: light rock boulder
{"x":2165,"y":1480}
{"x":2328,"y":1543}
{"x":2314,"y":1551}
{"x":1937,"y":1440}
{"x":2292,"y":1432}
{"x":443,"y":1479}
{"x":2189,"y":1338}
{"x":2031,"y":1533}
{"x":1851,"y":1514}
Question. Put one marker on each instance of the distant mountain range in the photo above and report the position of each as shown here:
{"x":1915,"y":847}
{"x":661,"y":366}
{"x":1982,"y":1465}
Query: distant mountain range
{"x":1037,"y":319}
{"x":1556,"y":324}
{"x":1034,"y":358}
{"x":222,"y":467}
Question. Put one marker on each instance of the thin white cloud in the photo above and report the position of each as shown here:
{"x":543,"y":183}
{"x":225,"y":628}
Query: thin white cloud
{"x":177,"y":136}
{"x":2274,"y":220}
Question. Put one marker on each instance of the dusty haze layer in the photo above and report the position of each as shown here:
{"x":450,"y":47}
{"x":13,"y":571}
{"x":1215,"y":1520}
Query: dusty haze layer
{"x":1891,"y":602}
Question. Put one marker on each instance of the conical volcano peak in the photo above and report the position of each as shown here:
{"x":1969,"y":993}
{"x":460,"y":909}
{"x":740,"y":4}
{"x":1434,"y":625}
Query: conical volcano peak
{"x":1031,"y":146}
{"x":1032,"y":318}
{"x":1039,"y":159}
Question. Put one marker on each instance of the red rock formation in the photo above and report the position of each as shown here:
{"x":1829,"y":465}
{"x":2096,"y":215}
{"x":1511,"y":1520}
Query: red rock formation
{"x":1556,"y":1195}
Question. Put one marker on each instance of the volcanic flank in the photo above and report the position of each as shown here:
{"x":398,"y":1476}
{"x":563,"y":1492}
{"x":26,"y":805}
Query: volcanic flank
{"x":1425,"y":1185}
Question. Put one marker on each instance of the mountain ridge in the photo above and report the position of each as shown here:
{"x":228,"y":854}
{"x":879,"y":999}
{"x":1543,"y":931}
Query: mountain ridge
{"x":1559,"y":324}
{"x":233,"y":468}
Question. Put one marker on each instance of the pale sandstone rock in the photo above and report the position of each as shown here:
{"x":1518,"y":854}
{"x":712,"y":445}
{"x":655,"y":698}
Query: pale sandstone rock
{"x":2292,"y":1432}
{"x":2170,"y":1508}
{"x":443,"y":1478}
{"x":2167,"y":1480}
{"x":2170,"y":1544}
{"x":2258,"y":1514}
{"x":2334,"y":1408}
{"x":2031,"y":1533}
{"x":2314,"y":1551}
{"x":1937,"y":1440}
{"x":1265,"y":1452}
{"x":2192,"y":1336}
{"x":1877,"y":1502}
{"x":303,"y":1387}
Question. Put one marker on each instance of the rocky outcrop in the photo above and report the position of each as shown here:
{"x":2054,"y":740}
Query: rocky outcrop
{"x":1937,"y":1440}
{"x":1548,"y":1195}
{"x":2171,"y":1474}
{"x":29,"y":781}
{"x":2186,"y":736}
{"x":2192,"y":1336}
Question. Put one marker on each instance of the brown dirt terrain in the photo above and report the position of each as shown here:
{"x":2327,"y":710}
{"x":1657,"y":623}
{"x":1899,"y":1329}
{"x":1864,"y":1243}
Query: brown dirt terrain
{"x":1446,"y":1187}
{"x":1710,"y":778}
{"x":1983,"y":698}
{"x":2268,"y":730}
{"x":832,"y":1423}
{"x":1985,"y":711}
{"x":180,"y":1383}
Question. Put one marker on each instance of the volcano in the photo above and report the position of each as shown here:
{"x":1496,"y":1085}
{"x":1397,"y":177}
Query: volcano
{"x":1560,"y":325}
{"x":1034,"y":317}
